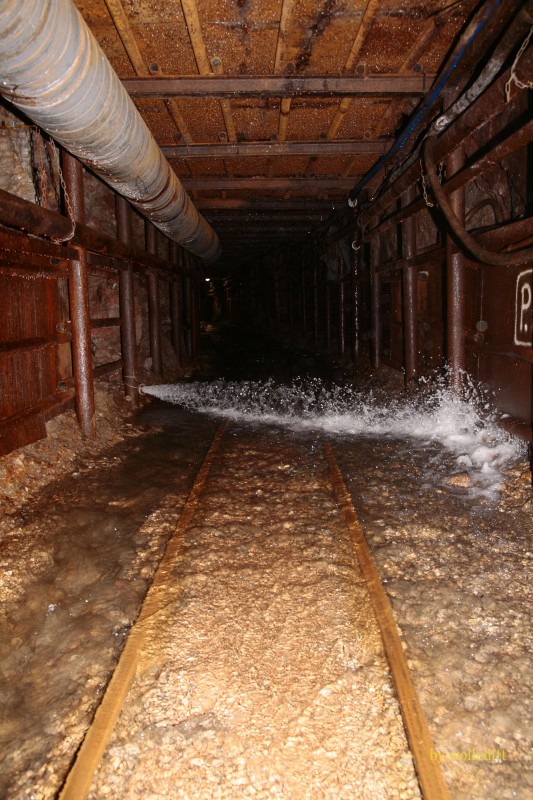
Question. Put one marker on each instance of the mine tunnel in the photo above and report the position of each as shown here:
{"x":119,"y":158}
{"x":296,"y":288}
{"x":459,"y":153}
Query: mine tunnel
{"x":266,"y":399}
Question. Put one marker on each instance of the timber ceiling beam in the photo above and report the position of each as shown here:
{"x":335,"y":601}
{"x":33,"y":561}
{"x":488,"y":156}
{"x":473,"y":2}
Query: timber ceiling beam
{"x":236,"y":86}
{"x":323,"y":148}
{"x":213,"y":205}
{"x":319,"y":184}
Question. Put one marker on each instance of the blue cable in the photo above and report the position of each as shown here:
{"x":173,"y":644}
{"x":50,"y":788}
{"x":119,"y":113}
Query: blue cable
{"x":428,"y":101}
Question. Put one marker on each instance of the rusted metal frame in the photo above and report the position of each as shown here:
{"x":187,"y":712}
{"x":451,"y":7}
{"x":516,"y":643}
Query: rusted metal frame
{"x":315,"y":294}
{"x":195,"y":320}
{"x":268,"y":184}
{"x":32,"y":345}
{"x":489,"y":105}
{"x":28,"y":426}
{"x":17,"y":267}
{"x":81,"y":345}
{"x":375,"y":263}
{"x":284,"y":86}
{"x":341,"y":307}
{"x":34,"y":254}
{"x":455,"y":285}
{"x":213,"y":205}
{"x":425,"y":259}
{"x":524,"y":354}
{"x":107,"y":369}
{"x":187,"y":305}
{"x":79,"y":305}
{"x":327,"y":315}
{"x":21,"y":214}
{"x":516,"y":140}
{"x":410,"y":295}
{"x":355,"y":332}
{"x":105,"y":322}
{"x":277,"y":149}
{"x":303,"y":294}
{"x":154,"y":303}
{"x":127,"y":304}
{"x":176,"y":303}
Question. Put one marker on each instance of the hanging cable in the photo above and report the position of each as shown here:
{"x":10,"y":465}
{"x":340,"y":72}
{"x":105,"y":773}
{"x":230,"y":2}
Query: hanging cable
{"x":469,"y":35}
{"x":468,"y":241}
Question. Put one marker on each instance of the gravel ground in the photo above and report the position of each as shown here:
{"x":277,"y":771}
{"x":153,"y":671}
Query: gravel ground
{"x":455,"y":565}
{"x":457,"y":568}
{"x":267,"y":676}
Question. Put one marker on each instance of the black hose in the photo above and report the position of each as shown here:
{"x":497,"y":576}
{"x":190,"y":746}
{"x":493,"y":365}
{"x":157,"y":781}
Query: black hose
{"x":468,"y":241}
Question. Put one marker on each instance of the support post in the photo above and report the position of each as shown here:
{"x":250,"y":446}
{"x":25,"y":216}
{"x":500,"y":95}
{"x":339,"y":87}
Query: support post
{"x":375,"y":258}
{"x":354,"y":274}
{"x":127,"y":304}
{"x":79,"y":305}
{"x":175,"y":288}
{"x":187,"y":308}
{"x":455,"y":283}
{"x":342,"y":308}
{"x":154,"y":304}
{"x":410,"y":295}
{"x":315,"y":295}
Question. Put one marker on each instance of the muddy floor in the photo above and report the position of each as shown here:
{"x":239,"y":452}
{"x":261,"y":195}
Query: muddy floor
{"x":268,"y":680}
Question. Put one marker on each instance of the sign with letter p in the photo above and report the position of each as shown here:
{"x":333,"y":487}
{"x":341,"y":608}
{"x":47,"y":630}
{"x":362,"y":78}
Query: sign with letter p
{"x":523,"y":315}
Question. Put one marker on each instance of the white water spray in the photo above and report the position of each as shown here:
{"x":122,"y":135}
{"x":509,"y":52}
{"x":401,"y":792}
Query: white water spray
{"x":467,"y":428}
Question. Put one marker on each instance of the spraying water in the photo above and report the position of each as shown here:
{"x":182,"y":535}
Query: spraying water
{"x":466,"y":428}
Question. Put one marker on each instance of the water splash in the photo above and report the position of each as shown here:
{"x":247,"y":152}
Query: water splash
{"x":466,"y":428}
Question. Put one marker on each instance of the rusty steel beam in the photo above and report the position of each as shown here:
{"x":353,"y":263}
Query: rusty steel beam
{"x":154,"y":304}
{"x":106,"y":322}
{"x":375,"y":263}
{"x":348,"y":147}
{"x":342,"y":310}
{"x":455,"y":284}
{"x":287,"y":86}
{"x":79,"y":304}
{"x":107,"y":369}
{"x":127,"y":304}
{"x":31,"y":345}
{"x":176,"y":305}
{"x":19,"y":213}
{"x":319,"y":184}
{"x":410,"y":295}
{"x":213,"y":204}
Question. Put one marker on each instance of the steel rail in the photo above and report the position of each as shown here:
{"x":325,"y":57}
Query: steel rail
{"x":429,"y":772}
{"x":79,"y":779}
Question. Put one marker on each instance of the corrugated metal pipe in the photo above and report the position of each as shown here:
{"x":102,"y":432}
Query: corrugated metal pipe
{"x":52,"y":69}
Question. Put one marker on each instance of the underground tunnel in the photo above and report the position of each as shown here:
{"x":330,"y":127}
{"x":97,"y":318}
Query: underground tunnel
{"x":266,"y":377}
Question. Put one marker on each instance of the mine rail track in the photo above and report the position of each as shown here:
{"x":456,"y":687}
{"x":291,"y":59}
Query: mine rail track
{"x":431,"y":781}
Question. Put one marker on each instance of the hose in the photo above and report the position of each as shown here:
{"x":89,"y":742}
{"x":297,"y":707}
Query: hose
{"x":471,"y":32}
{"x":468,"y":241}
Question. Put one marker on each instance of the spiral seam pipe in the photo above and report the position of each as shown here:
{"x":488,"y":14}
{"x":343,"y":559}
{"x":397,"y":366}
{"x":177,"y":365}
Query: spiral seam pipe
{"x":53,"y":70}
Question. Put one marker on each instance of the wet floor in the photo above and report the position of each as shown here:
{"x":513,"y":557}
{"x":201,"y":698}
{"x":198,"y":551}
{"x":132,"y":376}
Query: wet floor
{"x":76,"y":565}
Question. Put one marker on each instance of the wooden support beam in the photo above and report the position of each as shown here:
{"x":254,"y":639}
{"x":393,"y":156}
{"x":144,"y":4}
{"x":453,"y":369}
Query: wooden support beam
{"x":214,"y":204}
{"x":258,"y":149}
{"x":289,"y":86}
{"x":127,"y":37}
{"x":320,"y":184}
{"x":205,"y":67}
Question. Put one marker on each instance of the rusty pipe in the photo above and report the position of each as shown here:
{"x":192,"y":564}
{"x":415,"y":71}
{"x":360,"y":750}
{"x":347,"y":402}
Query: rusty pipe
{"x":54,"y":71}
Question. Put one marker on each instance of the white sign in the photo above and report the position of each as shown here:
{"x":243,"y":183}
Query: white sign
{"x":523,"y":315}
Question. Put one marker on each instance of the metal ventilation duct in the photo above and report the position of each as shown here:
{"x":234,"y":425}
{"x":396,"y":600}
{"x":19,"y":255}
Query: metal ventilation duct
{"x":52,"y":69}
